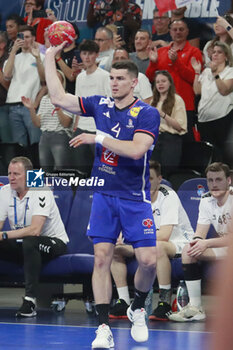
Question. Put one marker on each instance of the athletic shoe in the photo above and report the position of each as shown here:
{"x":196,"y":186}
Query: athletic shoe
{"x":119,"y":310}
{"x":161,"y":312}
{"x":104,"y":338}
{"x":187,"y":314}
{"x":139,"y":330}
{"x":27,"y":309}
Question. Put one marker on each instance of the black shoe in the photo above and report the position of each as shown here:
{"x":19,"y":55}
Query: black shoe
{"x":27,"y":309}
{"x":161,"y":312}
{"x":119,"y":310}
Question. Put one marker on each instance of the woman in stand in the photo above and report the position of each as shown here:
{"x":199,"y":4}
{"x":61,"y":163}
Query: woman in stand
{"x":224,"y":32}
{"x":173,"y":124}
{"x":215,"y":109}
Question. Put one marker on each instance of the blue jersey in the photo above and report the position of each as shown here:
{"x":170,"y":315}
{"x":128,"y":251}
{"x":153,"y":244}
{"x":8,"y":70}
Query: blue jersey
{"x":123,"y":177}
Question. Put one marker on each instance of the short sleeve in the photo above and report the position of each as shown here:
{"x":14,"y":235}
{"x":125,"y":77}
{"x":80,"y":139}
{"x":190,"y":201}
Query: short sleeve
{"x":204,"y":217}
{"x":170,"y":210}
{"x":148,"y":122}
{"x":42,"y":203}
{"x":89,"y":104}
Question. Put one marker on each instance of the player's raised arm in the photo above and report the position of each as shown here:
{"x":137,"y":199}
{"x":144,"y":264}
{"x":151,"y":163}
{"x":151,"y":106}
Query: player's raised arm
{"x":57,"y":93}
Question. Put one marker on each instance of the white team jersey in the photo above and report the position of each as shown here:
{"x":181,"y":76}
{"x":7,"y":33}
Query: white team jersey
{"x":168,"y":210}
{"x":35,"y":202}
{"x":211,"y":213}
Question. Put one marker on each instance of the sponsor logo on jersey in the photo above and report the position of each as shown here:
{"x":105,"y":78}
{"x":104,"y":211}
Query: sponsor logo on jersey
{"x":147,"y":223}
{"x":130,"y":124}
{"x":134,"y":111}
{"x":106,"y":101}
{"x":109,"y":157}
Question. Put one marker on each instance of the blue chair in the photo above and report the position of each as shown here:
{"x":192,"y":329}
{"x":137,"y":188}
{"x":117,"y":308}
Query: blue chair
{"x":190,"y":193}
{"x":63,"y":196}
{"x":78,"y":222}
{"x":3,"y":181}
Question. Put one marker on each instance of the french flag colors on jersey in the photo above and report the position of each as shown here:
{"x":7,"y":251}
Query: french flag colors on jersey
{"x":167,"y":5}
{"x":123,"y":177}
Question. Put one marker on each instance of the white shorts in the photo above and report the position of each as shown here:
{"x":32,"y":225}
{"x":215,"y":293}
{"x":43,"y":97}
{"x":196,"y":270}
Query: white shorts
{"x":179,"y":246}
{"x":220,"y":252}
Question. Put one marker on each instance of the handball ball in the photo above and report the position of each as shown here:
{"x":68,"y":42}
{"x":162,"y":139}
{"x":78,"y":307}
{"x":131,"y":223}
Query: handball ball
{"x":60,"y":31}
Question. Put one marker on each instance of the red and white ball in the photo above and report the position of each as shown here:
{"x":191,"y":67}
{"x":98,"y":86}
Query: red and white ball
{"x":61,"y":31}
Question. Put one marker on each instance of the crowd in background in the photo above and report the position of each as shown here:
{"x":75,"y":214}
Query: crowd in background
{"x":186,"y":75}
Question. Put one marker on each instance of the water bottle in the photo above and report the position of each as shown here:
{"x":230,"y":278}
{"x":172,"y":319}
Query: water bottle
{"x":149,"y":303}
{"x":182,"y":296}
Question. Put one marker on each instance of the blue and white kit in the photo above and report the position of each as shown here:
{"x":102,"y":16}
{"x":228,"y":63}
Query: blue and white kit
{"x":124,"y":178}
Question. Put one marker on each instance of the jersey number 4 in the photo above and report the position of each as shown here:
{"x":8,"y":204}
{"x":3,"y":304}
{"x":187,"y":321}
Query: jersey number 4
{"x":116,"y":129}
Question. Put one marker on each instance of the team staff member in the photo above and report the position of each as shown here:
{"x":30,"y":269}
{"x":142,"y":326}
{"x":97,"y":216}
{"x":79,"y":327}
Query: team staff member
{"x":37,"y":233}
{"x":127,"y":129}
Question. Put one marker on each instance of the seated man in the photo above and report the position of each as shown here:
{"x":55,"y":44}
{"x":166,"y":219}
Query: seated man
{"x":173,"y":232}
{"x":215,"y":208}
{"x":37,"y":233}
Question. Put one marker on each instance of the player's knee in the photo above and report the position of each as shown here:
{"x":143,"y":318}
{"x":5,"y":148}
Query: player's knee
{"x":147,"y":263}
{"x":102,"y":259}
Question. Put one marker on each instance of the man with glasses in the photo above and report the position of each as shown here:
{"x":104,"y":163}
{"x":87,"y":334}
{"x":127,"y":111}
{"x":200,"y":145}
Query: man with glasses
{"x":161,"y":36}
{"x":104,"y":38}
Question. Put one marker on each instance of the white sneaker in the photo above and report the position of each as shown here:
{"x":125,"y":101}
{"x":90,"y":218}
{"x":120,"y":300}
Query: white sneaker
{"x":187,"y":314}
{"x":104,"y":338}
{"x":139,"y":330}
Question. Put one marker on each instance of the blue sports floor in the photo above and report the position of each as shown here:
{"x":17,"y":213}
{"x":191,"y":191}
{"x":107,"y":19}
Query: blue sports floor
{"x":74,"y":330}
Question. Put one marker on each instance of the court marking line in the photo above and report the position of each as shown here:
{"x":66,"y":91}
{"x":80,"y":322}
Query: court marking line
{"x":92,"y":327}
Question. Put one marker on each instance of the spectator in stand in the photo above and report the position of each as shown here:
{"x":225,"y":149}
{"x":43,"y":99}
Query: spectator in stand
{"x":173,"y":123}
{"x":40,"y":23}
{"x":192,"y":24}
{"x":56,"y":127}
{"x":215,"y":85}
{"x":104,"y":38}
{"x":215,"y":208}
{"x":65,"y":59}
{"x":123,"y":13}
{"x":224,"y":32}
{"x":173,"y":232}
{"x":176,"y":59}
{"x":143,"y":89}
{"x":93,"y":80}
{"x":13,"y":23}
{"x":160,"y":29}
{"x":142,"y":42}
{"x":6,"y":141}
{"x":26,"y":74}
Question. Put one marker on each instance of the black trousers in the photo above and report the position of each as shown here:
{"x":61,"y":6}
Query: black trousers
{"x":217,"y":132}
{"x":167,"y":152}
{"x":31,"y":252}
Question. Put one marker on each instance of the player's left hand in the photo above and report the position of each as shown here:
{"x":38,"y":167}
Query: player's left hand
{"x":82,"y":139}
{"x":197,"y":247}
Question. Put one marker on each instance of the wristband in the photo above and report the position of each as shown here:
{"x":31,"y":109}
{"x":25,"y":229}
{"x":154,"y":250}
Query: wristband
{"x":58,"y":59}
{"x":197,"y":237}
{"x":228,"y":28}
{"x":4,"y":236}
{"x":99,"y":139}
{"x":216,"y":77}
